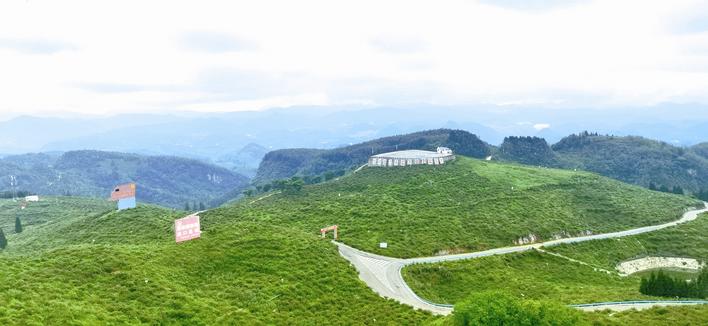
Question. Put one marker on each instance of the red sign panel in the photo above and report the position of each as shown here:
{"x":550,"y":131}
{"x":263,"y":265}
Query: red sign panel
{"x":187,"y":228}
{"x":123,"y":191}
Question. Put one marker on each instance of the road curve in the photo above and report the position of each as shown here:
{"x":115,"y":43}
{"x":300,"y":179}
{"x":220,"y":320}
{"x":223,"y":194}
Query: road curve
{"x":383,"y":274}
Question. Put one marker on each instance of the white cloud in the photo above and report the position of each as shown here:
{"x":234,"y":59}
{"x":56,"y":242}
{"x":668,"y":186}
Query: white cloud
{"x":117,"y":56}
{"x":541,"y":126}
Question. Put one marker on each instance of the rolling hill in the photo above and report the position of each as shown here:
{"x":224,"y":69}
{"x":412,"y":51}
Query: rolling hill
{"x":635,"y":160}
{"x":463,"y":206}
{"x":101,"y":267}
{"x":165,"y":180}
{"x":261,"y":260}
{"x":540,"y":275}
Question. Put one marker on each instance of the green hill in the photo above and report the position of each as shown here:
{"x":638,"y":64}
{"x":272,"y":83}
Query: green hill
{"x":124,"y":268}
{"x":165,"y":180}
{"x":537,"y":275}
{"x":466,"y":205}
{"x":286,"y":163}
{"x":527,"y":150}
{"x":80,"y":262}
{"x":635,"y":160}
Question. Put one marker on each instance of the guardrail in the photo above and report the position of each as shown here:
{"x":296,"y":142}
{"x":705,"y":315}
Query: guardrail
{"x":597,"y":304}
{"x":617,"y":303}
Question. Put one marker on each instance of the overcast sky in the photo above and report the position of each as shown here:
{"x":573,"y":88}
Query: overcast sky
{"x":154,"y":56}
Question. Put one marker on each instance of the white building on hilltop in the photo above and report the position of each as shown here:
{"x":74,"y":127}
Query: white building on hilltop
{"x":444,"y":150}
{"x":412,"y":157}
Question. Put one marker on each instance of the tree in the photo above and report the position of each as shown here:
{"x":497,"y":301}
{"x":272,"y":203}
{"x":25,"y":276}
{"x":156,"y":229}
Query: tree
{"x":201,"y":206}
{"x":652,"y":186}
{"x":186,"y":207}
{"x":677,"y":190}
{"x":18,"y":224}
{"x":3,"y":240}
{"x":660,"y":284}
{"x":664,"y":188}
{"x":495,"y":308}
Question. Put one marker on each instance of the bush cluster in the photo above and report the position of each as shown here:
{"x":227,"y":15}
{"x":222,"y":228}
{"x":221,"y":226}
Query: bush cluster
{"x":660,"y":284}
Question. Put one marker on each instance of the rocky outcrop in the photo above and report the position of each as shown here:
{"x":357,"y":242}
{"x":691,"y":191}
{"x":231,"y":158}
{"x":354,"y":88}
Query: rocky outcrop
{"x":646,"y":263}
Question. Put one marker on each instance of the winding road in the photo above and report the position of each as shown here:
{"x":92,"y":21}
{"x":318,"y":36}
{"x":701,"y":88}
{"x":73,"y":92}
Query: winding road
{"x":383,"y":274}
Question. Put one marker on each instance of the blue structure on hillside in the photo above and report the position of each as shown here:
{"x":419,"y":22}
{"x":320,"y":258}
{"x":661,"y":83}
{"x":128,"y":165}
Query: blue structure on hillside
{"x":125,"y":196}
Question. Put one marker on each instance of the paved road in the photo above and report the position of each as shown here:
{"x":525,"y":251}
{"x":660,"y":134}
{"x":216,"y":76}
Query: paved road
{"x":383,"y":274}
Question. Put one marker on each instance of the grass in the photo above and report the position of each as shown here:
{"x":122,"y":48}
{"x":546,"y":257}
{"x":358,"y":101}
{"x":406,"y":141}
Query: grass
{"x":124,"y":268}
{"x":685,"y":240}
{"x":48,"y":210}
{"x":536,"y":275}
{"x":659,"y":316}
{"x":80,"y":262}
{"x":531,"y":275}
{"x":466,"y":205}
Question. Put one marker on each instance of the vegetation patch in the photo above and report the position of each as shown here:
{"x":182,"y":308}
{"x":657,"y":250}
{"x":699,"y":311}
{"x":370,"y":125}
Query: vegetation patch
{"x":529,"y":275}
{"x":684,"y":240}
{"x":466,"y":205}
{"x":124,"y":268}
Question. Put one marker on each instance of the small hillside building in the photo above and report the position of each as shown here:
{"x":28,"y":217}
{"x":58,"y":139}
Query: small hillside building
{"x":32,"y":198}
{"x":411,"y":157}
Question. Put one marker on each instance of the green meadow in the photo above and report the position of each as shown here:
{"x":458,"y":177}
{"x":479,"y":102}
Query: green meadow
{"x":467,"y":205}
{"x":124,"y":268}
{"x":78,"y":261}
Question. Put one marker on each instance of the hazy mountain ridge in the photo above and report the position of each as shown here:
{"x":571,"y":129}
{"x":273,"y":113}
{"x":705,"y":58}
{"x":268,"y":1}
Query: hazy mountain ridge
{"x":165,"y":180}
{"x":208,"y":136}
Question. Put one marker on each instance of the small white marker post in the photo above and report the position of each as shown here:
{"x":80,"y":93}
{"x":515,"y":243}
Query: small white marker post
{"x":383,"y":245}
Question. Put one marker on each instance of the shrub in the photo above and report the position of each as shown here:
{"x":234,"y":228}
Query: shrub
{"x":3,"y":240}
{"x":496,"y":308}
{"x":663,"y":285}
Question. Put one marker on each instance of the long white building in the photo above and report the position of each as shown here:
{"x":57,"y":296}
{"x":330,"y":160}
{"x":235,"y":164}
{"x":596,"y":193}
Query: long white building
{"x":412,"y":157}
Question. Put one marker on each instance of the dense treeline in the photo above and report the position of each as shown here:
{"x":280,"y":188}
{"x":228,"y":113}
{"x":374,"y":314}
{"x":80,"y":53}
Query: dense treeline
{"x":660,"y":284}
{"x":636,"y":160}
{"x":527,"y":150}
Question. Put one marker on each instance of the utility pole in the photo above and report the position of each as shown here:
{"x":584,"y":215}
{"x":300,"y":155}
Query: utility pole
{"x":13,"y":183}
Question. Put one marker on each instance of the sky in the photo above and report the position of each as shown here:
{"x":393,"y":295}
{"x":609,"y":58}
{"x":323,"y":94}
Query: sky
{"x":109,"y":57}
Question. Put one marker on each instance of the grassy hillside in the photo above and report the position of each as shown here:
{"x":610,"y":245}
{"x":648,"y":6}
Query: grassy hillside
{"x":170,"y":181}
{"x":543,"y":276}
{"x":124,"y":268}
{"x":530,"y":275}
{"x":286,"y":163}
{"x":50,"y":210}
{"x":685,"y":240}
{"x":660,"y":316}
{"x":463,"y":206}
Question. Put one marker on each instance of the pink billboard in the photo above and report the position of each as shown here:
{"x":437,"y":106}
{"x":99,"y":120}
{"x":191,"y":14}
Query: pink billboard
{"x":187,"y":228}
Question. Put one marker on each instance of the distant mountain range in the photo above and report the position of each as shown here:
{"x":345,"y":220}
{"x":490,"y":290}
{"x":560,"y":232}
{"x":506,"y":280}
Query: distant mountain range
{"x":212,"y":136}
{"x":166,"y":180}
{"x":631,"y":159}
